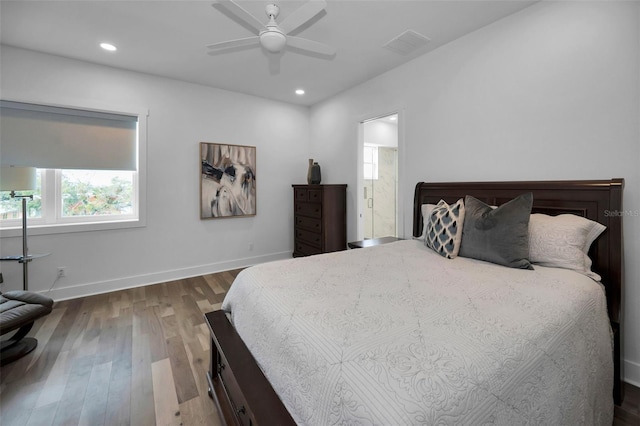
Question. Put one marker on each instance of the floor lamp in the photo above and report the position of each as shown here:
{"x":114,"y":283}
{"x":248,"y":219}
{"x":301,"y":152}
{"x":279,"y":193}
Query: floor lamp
{"x":20,"y":179}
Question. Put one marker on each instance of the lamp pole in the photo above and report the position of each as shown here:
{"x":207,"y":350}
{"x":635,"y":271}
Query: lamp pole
{"x":25,"y":250}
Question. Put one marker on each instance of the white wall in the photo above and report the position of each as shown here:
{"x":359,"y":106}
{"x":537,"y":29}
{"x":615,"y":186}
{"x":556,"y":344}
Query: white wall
{"x":551,"y":92}
{"x":175,"y":243}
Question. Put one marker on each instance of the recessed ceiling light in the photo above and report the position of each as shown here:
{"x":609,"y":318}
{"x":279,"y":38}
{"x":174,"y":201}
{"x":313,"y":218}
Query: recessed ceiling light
{"x":299,"y":92}
{"x":108,"y":46}
{"x":393,"y":118}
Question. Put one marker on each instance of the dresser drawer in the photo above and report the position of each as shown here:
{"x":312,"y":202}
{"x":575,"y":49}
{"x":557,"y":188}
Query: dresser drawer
{"x":306,"y":249}
{"x":308,"y":223}
{"x":301,"y":194}
{"x":234,"y":394}
{"x":309,"y":237}
{"x":315,"y":195}
{"x":309,"y":209}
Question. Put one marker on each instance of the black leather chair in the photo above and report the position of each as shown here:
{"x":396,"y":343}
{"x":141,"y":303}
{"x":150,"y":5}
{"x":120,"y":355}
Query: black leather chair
{"x":18,"y":311}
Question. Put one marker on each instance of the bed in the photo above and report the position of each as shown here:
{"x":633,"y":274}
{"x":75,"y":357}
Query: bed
{"x":368,"y":336}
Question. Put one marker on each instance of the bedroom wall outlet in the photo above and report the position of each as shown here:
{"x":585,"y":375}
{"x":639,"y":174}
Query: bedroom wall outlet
{"x":250,"y":246}
{"x":62,"y":272}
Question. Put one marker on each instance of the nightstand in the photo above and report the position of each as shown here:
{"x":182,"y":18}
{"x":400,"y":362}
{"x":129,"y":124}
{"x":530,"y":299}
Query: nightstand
{"x":372,"y":242}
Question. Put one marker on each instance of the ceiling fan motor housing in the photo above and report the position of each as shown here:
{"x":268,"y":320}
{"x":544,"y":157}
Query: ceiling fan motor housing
{"x":272,"y":11}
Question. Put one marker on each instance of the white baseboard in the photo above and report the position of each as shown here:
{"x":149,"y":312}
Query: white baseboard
{"x":99,"y":287}
{"x":631,"y":373}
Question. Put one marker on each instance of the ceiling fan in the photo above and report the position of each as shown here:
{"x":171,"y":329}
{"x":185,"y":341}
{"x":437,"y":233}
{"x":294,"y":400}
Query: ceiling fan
{"x":273,"y":36}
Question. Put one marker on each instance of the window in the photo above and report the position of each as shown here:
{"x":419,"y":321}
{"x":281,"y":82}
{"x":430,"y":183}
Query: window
{"x":370,"y":162}
{"x":96,"y":193}
{"x":85,"y":196}
{"x":105,"y":194}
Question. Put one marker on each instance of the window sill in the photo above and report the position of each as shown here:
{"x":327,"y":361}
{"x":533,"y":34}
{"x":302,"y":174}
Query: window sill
{"x":71,"y":227}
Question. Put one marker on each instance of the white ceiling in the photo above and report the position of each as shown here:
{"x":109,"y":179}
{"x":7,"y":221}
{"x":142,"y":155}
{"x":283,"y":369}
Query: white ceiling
{"x":168,"y":38}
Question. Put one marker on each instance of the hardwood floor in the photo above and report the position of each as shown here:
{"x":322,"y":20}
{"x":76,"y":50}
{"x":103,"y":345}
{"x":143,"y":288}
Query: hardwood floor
{"x":134,"y":357}
{"x":629,"y":413}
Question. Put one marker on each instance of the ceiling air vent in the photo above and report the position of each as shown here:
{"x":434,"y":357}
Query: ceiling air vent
{"x":407,"y":42}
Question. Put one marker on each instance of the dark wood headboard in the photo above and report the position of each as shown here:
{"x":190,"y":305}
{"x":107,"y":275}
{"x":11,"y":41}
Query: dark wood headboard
{"x":598,"y":200}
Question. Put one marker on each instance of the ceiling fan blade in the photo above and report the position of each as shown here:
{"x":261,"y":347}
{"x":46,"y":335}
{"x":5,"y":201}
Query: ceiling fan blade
{"x":274,"y":62}
{"x":301,"y":15}
{"x":310,"y":46}
{"x":233,"y":44}
{"x":236,"y":10}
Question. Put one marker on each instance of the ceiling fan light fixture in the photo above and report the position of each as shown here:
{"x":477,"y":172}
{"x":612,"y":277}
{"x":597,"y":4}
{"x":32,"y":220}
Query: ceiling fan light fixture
{"x":299,"y":92}
{"x":273,"y":41}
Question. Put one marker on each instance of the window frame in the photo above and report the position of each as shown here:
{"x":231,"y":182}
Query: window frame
{"x":50,"y":179}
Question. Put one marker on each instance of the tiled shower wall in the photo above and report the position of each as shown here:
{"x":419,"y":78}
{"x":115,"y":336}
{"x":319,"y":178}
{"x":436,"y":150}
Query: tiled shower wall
{"x":380,"y":219}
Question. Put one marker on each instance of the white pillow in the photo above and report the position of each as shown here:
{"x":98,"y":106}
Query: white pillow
{"x":563,"y":241}
{"x":426,"y":210}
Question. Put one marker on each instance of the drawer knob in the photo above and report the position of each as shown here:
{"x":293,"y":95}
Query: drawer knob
{"x":242,"y":410}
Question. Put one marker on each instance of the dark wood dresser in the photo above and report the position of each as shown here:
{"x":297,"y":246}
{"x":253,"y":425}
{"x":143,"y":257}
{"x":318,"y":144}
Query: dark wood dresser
{"x":320,"y":219}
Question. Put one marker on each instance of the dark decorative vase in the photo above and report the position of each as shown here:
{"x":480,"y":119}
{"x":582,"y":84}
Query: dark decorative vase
{"x":316,"y":176}
{"x":309,"y":171}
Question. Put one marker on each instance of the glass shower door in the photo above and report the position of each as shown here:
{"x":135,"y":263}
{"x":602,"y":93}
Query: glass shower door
{"x":370,"y":168}
{"x":380,"y":171}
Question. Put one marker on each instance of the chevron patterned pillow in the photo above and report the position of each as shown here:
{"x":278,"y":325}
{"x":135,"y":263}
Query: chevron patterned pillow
{"x":444,"y":228}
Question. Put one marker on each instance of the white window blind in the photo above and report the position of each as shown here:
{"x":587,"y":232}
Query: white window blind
{"x":50,"y":137}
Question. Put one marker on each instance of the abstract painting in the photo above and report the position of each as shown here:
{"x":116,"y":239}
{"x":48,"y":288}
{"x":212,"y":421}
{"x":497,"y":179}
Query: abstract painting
{"x":227,"y":180}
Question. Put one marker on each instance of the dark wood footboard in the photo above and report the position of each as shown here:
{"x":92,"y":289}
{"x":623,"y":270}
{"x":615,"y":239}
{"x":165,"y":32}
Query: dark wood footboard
{"x":241,"y":392}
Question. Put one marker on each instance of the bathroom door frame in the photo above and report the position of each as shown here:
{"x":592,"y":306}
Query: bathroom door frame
{"x":360,"y":203}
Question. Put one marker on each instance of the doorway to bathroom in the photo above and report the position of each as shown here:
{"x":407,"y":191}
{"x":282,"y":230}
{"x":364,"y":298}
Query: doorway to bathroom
{"x":378,"y":200}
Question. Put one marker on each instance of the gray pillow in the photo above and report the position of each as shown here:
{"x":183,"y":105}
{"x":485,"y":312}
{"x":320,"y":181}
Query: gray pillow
{"x":499,"y":235}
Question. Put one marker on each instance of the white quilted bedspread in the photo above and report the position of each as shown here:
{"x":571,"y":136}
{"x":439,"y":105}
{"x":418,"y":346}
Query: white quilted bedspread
{"x":397,"y":335}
